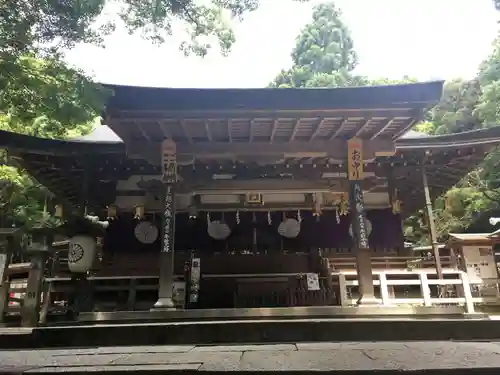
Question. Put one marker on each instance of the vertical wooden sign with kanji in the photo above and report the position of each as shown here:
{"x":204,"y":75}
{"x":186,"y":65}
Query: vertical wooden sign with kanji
{"x":169,"y":161}
{"x":169,"y":178}
{"x":356,"y":201}
{"x":355,"y":159}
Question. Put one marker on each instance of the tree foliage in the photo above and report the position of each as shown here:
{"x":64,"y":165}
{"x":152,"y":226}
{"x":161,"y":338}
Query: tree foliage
{"x":466,"y":105}
{"x":324,"y":53}
{"x":324,"y":56}
{"x":40,"y":95}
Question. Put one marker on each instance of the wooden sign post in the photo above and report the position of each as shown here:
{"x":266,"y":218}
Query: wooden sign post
{"x":169,"y":179}
{"x":358,"y":222}
{"x":356,"y":201}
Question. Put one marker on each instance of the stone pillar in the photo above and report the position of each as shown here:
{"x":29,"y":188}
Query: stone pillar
{"x":358,"y":223}
{"x":169,"y":178}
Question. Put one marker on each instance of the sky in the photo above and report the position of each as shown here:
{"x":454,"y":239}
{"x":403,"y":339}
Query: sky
{"x":425,"y":39}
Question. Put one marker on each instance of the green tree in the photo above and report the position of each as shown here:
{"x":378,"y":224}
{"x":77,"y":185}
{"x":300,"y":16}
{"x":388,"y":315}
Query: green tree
{"x":34,"y":80}
{"x":324,"y":54}
{"x":467,"y":105}
{"x":41,"y":95}
{"x":456,"y":111}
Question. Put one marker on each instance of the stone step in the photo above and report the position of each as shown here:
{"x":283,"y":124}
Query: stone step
{"x":250,"y":331}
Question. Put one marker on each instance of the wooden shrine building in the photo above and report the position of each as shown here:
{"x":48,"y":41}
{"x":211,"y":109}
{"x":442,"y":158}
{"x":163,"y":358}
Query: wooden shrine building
{"x":235,"y":191}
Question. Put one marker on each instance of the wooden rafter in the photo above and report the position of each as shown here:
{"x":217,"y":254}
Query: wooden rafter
{"x":186,"y":133}
{"x":143,"y":132}
{"x":274,"y":129}
{"x":134,"y":116}
{"x":230,"y":130}
{"x":295,"y":130}
{"x":251,"y":131}
{"x":207,"y":130}
{"x":339,"y":129}
{"x":362,"y":128}
{"x":416,"y":118}
{"x":382,"y":129}
{"x":318,"y":129}
{"x":164,"y":129}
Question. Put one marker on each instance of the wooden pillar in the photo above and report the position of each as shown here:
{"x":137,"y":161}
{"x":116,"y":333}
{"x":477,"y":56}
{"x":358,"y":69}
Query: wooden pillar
{"x":79,"y":282}
{"x":395,"y":205}
{"x":358,"y":223}
{"x":167,"y":253}
{"x":430,"y":220}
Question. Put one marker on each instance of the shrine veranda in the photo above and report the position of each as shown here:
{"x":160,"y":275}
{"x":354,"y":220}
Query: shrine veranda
{"x":253,"y":202}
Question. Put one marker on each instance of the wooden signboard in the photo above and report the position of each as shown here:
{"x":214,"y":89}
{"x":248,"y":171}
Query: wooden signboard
{"x":355,"y":159}
{"x":356,"y":201}
{"x":168,"y":220}
{"x":169,"y":162}
{"x":254,"y":198}
{"x":360,"y":234}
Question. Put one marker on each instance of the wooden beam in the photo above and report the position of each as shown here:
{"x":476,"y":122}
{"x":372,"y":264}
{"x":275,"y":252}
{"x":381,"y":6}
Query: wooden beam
{"x":252,"y":185}
{"x":207,"y":130}
{"x":274,"y":129}
{"x":164,"y":129}
{"x":224,"y":150}
{"x":382,"y":129}
{"x":295,"y":129}
{"x":151,"y":116}
{"x":143,"y":132}
{"x":318,"y":129}
{"x":416,"y":117}
{"x":251,"y":131}
{"x":362,"y":128}
{"x":229,"y":130}
{"x":339,"y":129}
{"x":186,"y":133}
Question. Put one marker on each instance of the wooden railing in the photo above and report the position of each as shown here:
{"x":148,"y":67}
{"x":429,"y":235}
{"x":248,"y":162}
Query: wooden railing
{"x":12,"y":291}
{"x":455,"y":284}
{"x":393,"y":262}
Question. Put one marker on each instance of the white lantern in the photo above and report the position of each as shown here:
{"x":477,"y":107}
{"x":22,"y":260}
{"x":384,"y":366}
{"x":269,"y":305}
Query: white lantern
{"x":290,"y":228}
{"x":218,"y":230}
{"x":82,"y":250}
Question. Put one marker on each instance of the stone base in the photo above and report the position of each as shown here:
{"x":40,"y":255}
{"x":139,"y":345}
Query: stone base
{"x":164,"y":304}
{"x":369,"y":301}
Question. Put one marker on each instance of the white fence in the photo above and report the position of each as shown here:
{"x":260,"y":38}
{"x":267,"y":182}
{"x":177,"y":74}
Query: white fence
{"x":459,"y":289}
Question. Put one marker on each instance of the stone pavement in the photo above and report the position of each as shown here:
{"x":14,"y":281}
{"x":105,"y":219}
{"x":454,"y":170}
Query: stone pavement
{"x":336,"y":357}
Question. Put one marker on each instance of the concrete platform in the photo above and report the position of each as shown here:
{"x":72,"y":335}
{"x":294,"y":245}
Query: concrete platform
{"x":331,"y":357}
{"x":251,"y":331}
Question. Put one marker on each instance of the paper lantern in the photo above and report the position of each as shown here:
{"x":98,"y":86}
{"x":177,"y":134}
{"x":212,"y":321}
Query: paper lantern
{"x":289,"y":228}
{"x":81,"y":253}
{"x":218,"y":230}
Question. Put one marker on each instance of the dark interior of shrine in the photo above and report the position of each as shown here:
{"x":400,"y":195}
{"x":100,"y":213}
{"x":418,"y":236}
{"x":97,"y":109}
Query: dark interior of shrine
{"x":326,"y":231}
